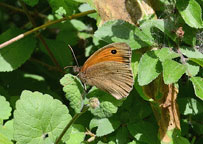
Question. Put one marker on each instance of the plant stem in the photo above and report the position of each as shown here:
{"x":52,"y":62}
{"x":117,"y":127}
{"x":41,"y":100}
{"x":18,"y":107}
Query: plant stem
{"x":75,"y":117}
{"x":44,"y":26}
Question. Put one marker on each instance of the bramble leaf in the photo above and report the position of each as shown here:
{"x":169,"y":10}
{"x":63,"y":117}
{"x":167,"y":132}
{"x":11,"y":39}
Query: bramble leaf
{"x":198,"y":86}
{"x":191,"y":12}
{"x":149,"y":68}
{"x":166,"y":53}
{"x":172,"y":71}
{"x":191,"y":52}
{"x":121,"y":31}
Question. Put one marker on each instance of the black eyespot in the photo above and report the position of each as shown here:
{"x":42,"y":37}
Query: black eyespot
{"x":113,"y":51}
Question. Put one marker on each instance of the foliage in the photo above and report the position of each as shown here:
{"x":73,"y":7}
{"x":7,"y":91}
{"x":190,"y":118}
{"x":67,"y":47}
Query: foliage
{"x":38,"y":97}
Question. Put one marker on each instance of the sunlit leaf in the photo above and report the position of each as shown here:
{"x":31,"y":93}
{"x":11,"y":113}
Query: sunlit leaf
{"x":39,"y":118}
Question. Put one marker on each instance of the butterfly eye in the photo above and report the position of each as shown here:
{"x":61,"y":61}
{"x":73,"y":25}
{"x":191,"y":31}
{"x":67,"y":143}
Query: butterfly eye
{"x":113,"y":51}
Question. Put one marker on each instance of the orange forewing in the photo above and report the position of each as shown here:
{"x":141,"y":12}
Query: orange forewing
{"x":103,"y":55}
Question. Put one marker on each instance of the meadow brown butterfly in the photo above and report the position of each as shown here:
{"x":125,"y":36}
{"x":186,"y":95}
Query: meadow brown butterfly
{"x":109,"y":70}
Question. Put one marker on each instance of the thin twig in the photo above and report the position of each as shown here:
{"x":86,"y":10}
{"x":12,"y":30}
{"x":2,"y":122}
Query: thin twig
{"x":49,"y":67}
{"x":44,"y":26}
{"x":20,"y":10}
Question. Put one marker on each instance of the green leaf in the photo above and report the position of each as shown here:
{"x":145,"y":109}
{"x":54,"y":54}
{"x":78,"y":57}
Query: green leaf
{"x":39,"y":118}
{"x":122,"y":135}
{"x":133,"y":142}
{"x":199,"y":61}
{"x":143,"y":131}
{"x":4,"y":140}
{"x":86,"y":7}
{"x":7,"y":129}
{"x":149,"y":68}
{"x":60,"y":50}
{"x":191,"y":52}
{"x":165,"y":26}
{"x":190,"y":106}
{"x":79,"y":25}
{"x":191,"y":12}
{"x":72,"y":37}
{"x":60,"y":13}
{"x":68,"y":5}
{"x":31,"y":2}
{"x":5,"y":110}
{"x":192,"y":68}
{"x":77,"y":134}
{"x":105,"y":109}
{"x":104,"y":126}
{"x":74,"y":91}
{"x":198,"y":86}
{"x":190,"y":35}
{"x":15,"y":54}
{"x":172,"y":71}
{"x":166,"y":53}
{"x":108,"y":104}
{"x":121,"y":31}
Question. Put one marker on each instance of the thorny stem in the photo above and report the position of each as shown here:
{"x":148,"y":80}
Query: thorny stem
{"x":44,"y":26}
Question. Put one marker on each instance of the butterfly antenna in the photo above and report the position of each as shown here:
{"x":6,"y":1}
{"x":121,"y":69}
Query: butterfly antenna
{"x":73,"y":55}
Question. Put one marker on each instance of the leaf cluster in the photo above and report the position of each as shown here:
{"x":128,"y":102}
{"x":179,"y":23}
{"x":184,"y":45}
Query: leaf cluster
{"x":38,"y":98}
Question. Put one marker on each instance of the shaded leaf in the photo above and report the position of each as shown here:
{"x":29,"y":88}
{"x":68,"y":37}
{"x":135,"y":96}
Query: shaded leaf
{"x":190,"y":106}
{"x":15,"y":54}
{"x":31,"y":2}
{"x":39,"y":118}
{"x":199,"y":61}
{"x":122,"y":135}
{"x":143,"y":131}
{"x":172,"y":71}
{"x":74,"y":91}
{"x":60,"y":50}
